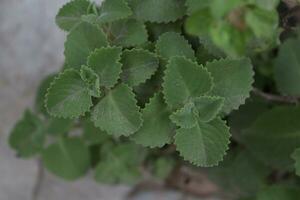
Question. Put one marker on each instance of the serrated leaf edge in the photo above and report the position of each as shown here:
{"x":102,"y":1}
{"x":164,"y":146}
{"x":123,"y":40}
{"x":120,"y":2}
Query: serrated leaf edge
{"x":47,"y":94}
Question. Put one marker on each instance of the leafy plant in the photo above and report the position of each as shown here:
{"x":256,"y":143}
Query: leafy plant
{"x":172,"y":76}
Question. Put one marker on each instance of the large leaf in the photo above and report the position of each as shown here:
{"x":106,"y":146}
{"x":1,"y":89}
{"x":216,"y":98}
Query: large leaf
{"x":70,"y":14}
{"x":127,"y":33}
{"x":28,"y":135}
{"x":274,"y":136}
{"x":68,"y":159}
{"x":117,"y":113}
{"x":185,"y":79}
{"x":68,"y":96}
{"x":287,"y":68}
{"x":157,"y":129}
{"x":172,"y":44}
{"x":158,"y":10}
{"x":105,"y":62}
{"x":205,"y":144}
{"x":232,"y":80}
{"x":138,"y":66}
{"x":120,"y":163}
{"x":81,"y":41}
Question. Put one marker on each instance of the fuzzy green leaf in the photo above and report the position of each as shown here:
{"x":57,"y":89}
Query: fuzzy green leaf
{"x":117,"y":113}
{"x":183,"y":80}
{"x":58,"y":126}
{"x":296,"y":157}
{"x":68,"y":159}
{"x":81,"y":41}
{"x":68,"y":96}
{"x":28,"y":135}
{"x":287,"y":68}
{"x":93,"y":135}
{"x":127,"y":33}
{"x":120,"y":164}
{"x":172,"y":44}
{"x":158,"y":10}
{"x":186,"y":117}
{"x":138,"y":66}
{"x":113,"y":10}
{"x":274,"y":136}
{"x":232,"y":80}
{"x":205,"y":144}
{"x":105,"y":62}
{"x":208,"y":107}
{"x":70,"y":14}
{"x":157,"y":129}
{"x":91,"y":80}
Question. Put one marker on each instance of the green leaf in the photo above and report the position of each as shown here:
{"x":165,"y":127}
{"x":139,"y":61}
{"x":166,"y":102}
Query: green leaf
{"x":105,"y":62}
{"x":208,"y":107}
{"x":193,"y":26}
{"x":127,"y":33}
{"x":296,"y":157}
{"x":70,"y":14}
{"x":58,"y":126}
{"x":274,"y":136}
{"x":183,"y":80}
{"x":91,"y":80}
{"x":195,"y":5}
{"x":155,"y":30}
{"x":68,"y":96}
{"x":277,"y":192}
{"x":186,"y":117}
{"x":157,"y":129}
{"x":68,"y":159}
{"x":117,"y":113}
{"x":120,"y":164}
{"x":232,"y":80}
{"x":265,"y":4}
{"x":158,"y":11}
{"x":172,"y":44}
{"x":93,"y":135}
{"x":28,"y":135}
{"x":138,"y":66}
{"x":205,"y":144}
{"x":81,"y":41}
{"x":287,"y":67}
{"x":113,"y":10}
{"x":41,"y":93}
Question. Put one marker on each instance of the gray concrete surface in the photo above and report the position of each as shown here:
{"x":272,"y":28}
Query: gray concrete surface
{"x":31,"y":46}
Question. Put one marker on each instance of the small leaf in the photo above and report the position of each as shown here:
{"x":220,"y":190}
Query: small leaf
{"x":274,"y":135}
{"x":208,"y":107}
{"x":113,"y":10}
{"x":157,"y":129}
{"x":158,"y":11}
{"x":138,"y":66}
{"x":81,"y":41}
{"x":105,"y":62}
{"x":68,"y":96}
{"x":186,"y":117}
{"x":91,"y":80}
{"x":232,"y":80}
{"x":287,"y":67}
{"x":183,"y":80}
{"x":117,"y":113}
{"x":70,"y":14}
{"x":172,"y":44}
{"x":68,"y":159}
{"x":296,"y":157}
{"x":120,"y":164}
{"x":127,"y":33}
{"x":205,"y":144}
{"x":28,"y":135}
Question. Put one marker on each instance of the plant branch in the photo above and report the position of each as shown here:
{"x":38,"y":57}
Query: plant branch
{"x":39,"y":179}
{"x":276,"y":98}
